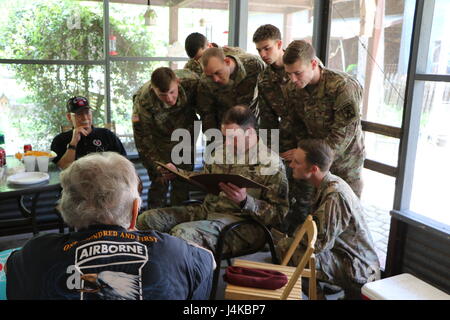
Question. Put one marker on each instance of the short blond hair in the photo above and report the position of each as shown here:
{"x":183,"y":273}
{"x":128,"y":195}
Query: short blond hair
{"x":299,"y":50}
{"x":211,"y":52}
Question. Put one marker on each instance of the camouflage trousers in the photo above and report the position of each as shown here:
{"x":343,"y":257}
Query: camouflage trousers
{"x":158,"y":189}
{"x":330,"y":268}
{"x":192,"y":223}
{"x":300,"y":197}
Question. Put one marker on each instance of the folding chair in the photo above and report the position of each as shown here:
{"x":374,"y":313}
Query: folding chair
{"x":292,"y":290}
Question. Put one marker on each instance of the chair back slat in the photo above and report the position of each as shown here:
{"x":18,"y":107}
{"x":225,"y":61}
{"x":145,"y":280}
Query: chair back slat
{"x":309,"y":227}
{"x":298,"y":271}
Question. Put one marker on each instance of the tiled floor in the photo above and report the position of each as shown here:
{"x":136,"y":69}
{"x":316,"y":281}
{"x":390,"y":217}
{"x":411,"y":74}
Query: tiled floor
{"x":378,"y":221}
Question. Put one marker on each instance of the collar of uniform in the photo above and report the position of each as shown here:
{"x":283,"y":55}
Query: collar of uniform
{"x":277,"y":74}
{"x":239,"y":73}
{"x":323,"y":187}
{"x":322,"y":82}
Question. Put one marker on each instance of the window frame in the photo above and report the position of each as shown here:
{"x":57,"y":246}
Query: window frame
{"x":423,"y":18}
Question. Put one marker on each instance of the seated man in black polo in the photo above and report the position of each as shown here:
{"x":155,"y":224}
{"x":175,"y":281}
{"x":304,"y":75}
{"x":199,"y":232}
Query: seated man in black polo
{"x":84,"y":138}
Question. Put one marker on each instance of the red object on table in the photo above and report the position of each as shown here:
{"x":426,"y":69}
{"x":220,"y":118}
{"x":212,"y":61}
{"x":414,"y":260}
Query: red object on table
{"x":2,"y":157}
{"x":27,"y":147}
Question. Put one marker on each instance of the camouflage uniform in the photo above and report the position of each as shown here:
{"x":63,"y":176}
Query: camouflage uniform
{"x":345,"y":252}
{"x":214,"y":99}
{"x":153,"y":124}
{"x":196,"y":67}
{"x":330,"y":110}
{"x":273,"y":103}
{"x":202,"y":223}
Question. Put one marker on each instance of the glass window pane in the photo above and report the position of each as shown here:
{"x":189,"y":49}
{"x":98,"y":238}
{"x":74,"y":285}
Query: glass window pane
{"x":208,"y":17}
{"x":381,"y":148}
{"x":163,"y":33}
{"x":377,"y":199}
{"x":51,"y":30}
{"x":293,"y":18}
{"x":126,"y":78}
{"x":34,"y":101}
{"x":372,"y":42}
{"x":438,"y":57}
{"x":131,"y":37}
{"x":431,"y":174}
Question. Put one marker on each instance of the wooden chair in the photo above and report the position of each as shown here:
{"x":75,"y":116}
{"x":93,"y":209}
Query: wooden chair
{"x":219,"y":254}
{"x":292,"y":290}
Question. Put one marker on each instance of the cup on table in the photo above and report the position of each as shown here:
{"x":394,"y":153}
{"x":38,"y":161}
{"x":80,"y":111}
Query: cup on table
{"x":42,"y":163}
{"x":30,"y":163}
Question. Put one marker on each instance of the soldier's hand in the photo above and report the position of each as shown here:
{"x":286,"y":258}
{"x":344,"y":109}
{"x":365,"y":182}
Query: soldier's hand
{"x":233,"y":192}
{"x":288,"y":155}
{"x":166,"y":174}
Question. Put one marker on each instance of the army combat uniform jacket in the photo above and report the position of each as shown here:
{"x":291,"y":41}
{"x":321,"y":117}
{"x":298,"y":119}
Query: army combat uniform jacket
{"x":330,"y":111}
{"x":194,"y":66}
{"x":214,"y":99}
{"x":154,"y":121}
{"x":202,"y":223}
{"x":345,"y":252}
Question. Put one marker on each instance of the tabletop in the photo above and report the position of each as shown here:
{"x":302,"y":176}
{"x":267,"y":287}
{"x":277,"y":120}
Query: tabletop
{"x":8,"y":190}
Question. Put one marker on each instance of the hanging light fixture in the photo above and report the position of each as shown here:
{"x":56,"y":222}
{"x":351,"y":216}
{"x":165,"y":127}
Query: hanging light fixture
{"x":149,"y":16}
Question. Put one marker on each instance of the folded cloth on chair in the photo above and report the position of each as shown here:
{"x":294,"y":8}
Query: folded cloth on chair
{"x":256,"y":278}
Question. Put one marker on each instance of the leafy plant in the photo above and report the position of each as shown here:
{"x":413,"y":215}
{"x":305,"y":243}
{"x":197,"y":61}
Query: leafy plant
{"x":69,"y":30}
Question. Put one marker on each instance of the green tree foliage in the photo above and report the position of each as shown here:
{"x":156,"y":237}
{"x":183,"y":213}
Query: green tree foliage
{"x":69,"y":30}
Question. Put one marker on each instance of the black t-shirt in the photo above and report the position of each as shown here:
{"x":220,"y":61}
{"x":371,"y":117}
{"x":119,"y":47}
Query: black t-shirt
{"x":99,"y":140}
{"x":107,"y":262}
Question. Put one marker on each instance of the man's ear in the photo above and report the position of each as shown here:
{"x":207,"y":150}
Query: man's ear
{"x":315,"y":169}
{"x":69,"y":117}
{"x":314,"y":63}
{"x":279,"y":44}
{"x":134,"y":215}
{"x":227,"y":61}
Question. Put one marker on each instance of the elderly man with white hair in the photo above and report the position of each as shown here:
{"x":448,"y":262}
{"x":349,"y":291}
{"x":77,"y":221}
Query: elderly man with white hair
{"x":106,"y":257}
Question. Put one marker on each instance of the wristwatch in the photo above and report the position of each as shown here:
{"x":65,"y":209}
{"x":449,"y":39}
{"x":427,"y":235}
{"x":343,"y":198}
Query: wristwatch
{"x":69,"y":146}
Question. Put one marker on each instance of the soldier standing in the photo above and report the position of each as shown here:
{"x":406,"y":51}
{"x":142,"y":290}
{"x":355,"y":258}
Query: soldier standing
{"x":160,"y":106}
{"x":202,"y":223}
{"x":345,"y":252}
{"x":325,"y":104}
{"x":195,"y":44}
{"x":273,"y":110}
{"x":228,"y":80}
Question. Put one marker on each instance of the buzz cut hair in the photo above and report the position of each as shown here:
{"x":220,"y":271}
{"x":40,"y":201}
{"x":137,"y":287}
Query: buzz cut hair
{"x":210,"y":53}
{"x":266,"y":32}
{"x":162,"y":78}
{"x":194,"y":42}
{"x":299,"y":50}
